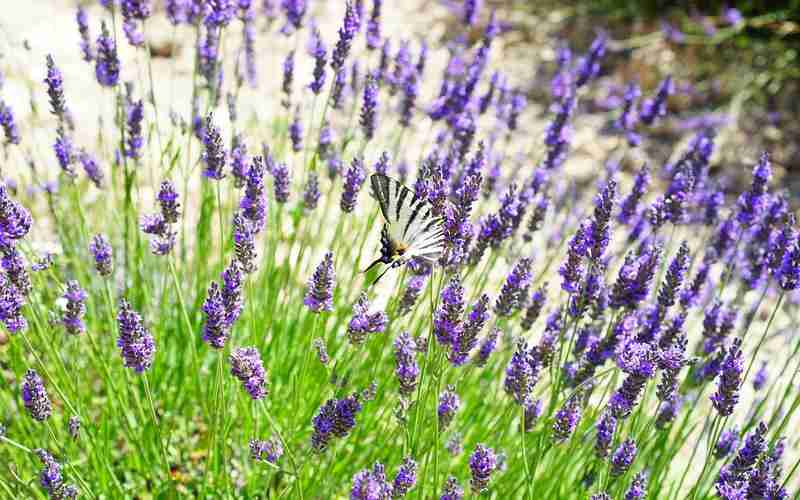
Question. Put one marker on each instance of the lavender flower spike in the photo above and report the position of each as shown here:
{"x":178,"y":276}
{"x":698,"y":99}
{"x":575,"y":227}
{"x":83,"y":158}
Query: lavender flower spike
{"x":103,"y":254}
{"x":354,"y":179}
{"x":76,"y":308}
{"x":752,"y":202}
{"x":35,"y":398}
{"x":246,"y":365}
{"x":319,"y":292}
{"x":369,"y":108}
{"x":106,"y":67}
{"x":623,"y":457}
{"x":656,"y":107}
{"x":371,"y":484}
{"x":449,"y":403}
{"x":215,"y":330}
{"x":346,"y":34}
{"x":406,"y":367}
{"x":515,"y":289}
{"x":364,"y":322}
{"x":83,"y":29}
{"x":52,"y":480}
{"x":266,"y":451}
{"x":135,"y":342}
{"x":482,"y":464}
{"x":452,"y":490}
{"x":214,"y":154}
{"x":730,"y":378}
{"x":405,"y":479}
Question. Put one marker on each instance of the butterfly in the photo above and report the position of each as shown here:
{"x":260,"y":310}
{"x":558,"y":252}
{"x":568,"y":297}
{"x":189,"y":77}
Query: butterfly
{"x":411,"y":230}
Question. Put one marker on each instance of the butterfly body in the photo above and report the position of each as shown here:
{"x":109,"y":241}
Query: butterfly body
{"x":410,"y":230}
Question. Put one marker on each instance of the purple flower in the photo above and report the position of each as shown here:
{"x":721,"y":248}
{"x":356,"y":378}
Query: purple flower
{"x":635,"y":276}
{"x":296,"y":132}
{"x":353,"y":181}
{"x":103,"y":254}
{"x":789,"y":273}
{"x":232,"y":284}
{"x":672,"y":359}
{"x":691,"y":291}
{"x":281,"y":182}
{"x":83,"y":29}
{"x":249,"y":44}
{"x":482,"y":464}
{"x":311,"y":192}
{"x":65,"y":152}
{"x":34,"y":396}
{"x":15,"y":220}
{"x":177,"y":11}
{"x":655,"y":107}
{"x":135,"y":342}
{"x":566,"y":419}
{"x":534,"y":308}
{"x":447,"y":324}
{"x":74,"y":427}
{"x":515,"y":289}
{"x":55,"y":89}
{"x":319,"y":292}
{"x":487,"y":348}
{"x":674,"y":277}
{"x":733,"y":476}
{"x":106,"y":67}
{"x":369,"y":109}
{"x":295,"y":11}
{"x":8,"y":123}
{"x":134,"y":139}
{"x":730,"y":378}
{"x":346,"y":34}
{"x":571,"y":270}
{"x":320,"y":60}
{"x":266,"y":451}
{"x":254,"y":201}
{"x":214,"y":155}
{"x":371,"y":484}
{"x":219,"y":13}
{"x":623,"y":457}
{"x":668,"y":411}
{"x":522,"y":373}
{"x":411,"y":294}
{"x":589,"y":65}
{"x":364,"y":322}
{"x":406,"y":367}
{"x":449,"y":403}
{"x":597,"y":235}
{"x":761,"y":377}
{"x":288,"y":78}
{"x":374,"y":26}
{"x":405,"y":479}
{"x":638,"y":487}
{"x":629,"y":206}
{"x":246,"y":365}
{"x":468,"y":337}
{"x":238,"y":159}
{"x":728,"y":441}
{"x":336,"y":418}
{"x":92,"y":169}
{"x":72,"y":318}
{"x":638,"y":361}
{"x":452,"y":490}
{"x":733,"y":16}
{"x":606,"y":426}
{"x":52,"y":480}
{"x":215,"y":329}
{"x":752,"y":203}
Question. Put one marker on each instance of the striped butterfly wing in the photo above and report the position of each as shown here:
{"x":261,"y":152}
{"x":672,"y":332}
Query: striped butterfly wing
{"x":410,"y":220}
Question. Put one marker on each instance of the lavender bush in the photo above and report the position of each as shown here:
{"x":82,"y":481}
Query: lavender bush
{"x":184,"y":310}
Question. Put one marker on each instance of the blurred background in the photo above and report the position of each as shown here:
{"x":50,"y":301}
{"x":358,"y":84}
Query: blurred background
{"x":735,"y":66}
